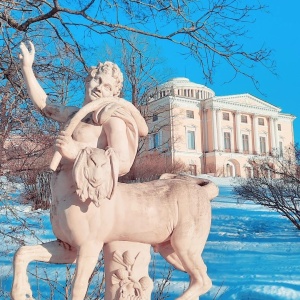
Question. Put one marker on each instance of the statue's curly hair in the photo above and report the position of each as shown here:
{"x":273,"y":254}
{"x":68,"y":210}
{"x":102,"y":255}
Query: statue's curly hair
{"x":109,"y":68}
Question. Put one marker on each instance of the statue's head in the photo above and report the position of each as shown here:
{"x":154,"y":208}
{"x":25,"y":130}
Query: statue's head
{"x":105,"y":80}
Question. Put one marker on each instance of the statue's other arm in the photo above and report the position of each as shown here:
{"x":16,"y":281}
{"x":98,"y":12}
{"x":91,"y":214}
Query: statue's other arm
{"x":36,"y":93}
{"x":115,"y":130}
{"x":140,"y":121}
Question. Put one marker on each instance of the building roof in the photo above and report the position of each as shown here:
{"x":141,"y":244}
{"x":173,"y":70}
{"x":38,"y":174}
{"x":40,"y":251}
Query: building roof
{"x":185,"y":83}
{"x":243,"y":102}
{"x":182,"y":82}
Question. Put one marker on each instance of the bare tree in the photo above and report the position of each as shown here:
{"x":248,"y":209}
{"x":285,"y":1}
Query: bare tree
{"x":144,"y":69}
{"x":276,"y":184}
{"x":68,"y":33}
{"x":17,"y":114}
{"x":209,"y":30}
{"x":26,"y":138}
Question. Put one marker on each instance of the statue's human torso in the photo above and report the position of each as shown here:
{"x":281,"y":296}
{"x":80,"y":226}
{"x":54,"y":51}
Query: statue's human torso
{"x":91,"y":134}
{"x":65,"y":202}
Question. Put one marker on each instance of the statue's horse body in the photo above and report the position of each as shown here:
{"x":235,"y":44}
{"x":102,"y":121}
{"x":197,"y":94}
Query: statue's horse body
{"x":89,"y":208}
{"x":173,"y":215}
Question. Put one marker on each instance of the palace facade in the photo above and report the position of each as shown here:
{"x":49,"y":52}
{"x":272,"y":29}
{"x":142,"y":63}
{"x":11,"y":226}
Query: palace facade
{"x":214,"y":134}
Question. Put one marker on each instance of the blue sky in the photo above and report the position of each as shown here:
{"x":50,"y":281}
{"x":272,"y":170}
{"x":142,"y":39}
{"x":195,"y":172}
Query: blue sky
{"x":279,"y":30}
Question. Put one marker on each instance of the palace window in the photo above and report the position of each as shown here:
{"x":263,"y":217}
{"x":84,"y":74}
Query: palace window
{"x":227,"y":142}
{"x":280,"y":149}
{"x":191,"y":140}
{"x":279,"y":127}
{"x":190,"y":114}
{"x":229,"y":170}
{"x":244,"y":119}
{"x":261,"y":121}
{"x":193,"y":169}
{"x":249,"y":172}
{"x":245,"y":138}
{"x":156,"y":140}
{"x":225,"y":116}
{"x":154,"y":117}
{"x":262,"y":141}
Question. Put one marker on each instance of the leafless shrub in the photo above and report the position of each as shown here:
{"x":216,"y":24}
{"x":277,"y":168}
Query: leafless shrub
{"x":276,"y":184}
{"x":162,"y":278}
{"x":36,"y":188}
{"x":151,"y":166}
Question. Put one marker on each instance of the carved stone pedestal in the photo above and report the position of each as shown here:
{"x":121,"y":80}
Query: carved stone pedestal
{"x":126,"y":271}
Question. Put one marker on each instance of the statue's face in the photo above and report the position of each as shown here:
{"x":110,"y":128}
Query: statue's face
{"x":100,"y":86}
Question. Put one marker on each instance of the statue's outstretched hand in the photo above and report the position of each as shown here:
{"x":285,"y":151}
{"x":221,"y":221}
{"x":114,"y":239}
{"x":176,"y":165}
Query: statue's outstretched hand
{"x":27,"y":57}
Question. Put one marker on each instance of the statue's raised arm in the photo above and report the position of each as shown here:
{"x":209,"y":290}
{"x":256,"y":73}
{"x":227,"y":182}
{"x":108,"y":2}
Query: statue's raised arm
{"x":35,"y":91}
{"x":116,"y":123}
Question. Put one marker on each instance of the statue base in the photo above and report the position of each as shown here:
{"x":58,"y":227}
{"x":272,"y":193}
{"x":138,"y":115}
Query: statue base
{"x":126,"y":271}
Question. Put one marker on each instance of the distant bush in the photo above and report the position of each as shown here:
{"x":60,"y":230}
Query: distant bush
{"x":276,"y":184}
{"x":36,"y":188}
{"x":150,"y":167}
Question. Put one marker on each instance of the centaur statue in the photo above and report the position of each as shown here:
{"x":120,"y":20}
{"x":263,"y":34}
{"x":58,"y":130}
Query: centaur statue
{"x":90,"y":208}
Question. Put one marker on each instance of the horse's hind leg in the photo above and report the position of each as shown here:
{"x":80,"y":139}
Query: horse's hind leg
{"x":52,"y":252}
{"x":188,"y":242}
{"x":167,"y":252}
{"x":200,"y":283}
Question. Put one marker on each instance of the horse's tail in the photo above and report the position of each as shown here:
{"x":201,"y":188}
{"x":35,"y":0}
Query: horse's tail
{"x":211,"y":188}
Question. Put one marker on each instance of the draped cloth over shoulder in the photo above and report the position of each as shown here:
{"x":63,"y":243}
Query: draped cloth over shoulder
{"x":102,"y":111}
{"x":115,"y":110}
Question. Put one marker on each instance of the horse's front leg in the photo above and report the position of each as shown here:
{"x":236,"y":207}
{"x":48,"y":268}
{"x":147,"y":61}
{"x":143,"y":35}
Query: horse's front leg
{"x":87,"y":258}
{"x":53,"y":252}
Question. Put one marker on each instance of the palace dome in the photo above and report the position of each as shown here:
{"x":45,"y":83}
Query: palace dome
{"x":183,"y":87}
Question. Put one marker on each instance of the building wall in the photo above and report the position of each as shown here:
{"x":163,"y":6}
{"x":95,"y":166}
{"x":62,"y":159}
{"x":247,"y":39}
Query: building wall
{"x":286,"y":132}
{"x":159,"y":123}
{"x":251,"y":127}
{"x":187,"y":135}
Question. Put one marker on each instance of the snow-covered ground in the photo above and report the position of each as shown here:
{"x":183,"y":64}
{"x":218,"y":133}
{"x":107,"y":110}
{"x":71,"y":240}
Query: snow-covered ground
{"x":251,"y":253}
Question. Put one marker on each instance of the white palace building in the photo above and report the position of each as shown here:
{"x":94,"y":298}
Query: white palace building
{"x":215,"y":134}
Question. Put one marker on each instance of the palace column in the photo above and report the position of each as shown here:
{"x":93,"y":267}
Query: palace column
{"x":255,"y":134}
{"x":214,"y":127}
{"x":219,"y":130}
{"x":276,"y":134}
{"x":238,"y":131}
{"x":272,"y":133}
{"x":205,"y":146}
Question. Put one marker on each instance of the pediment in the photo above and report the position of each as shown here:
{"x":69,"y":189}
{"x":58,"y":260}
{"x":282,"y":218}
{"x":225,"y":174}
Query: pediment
{"x":247,"y":100}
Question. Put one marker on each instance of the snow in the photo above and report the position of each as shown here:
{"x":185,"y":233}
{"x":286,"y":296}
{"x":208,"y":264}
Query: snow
{"x":251,"y":253}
